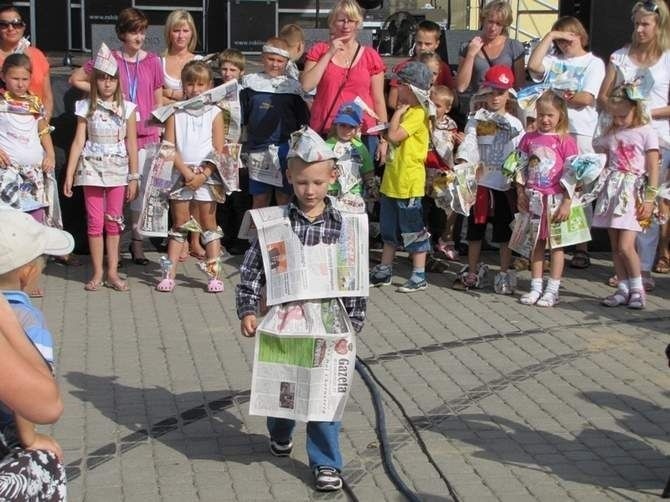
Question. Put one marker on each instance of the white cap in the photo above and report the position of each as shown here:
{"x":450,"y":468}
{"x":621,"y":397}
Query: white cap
{"x":22,"y":239}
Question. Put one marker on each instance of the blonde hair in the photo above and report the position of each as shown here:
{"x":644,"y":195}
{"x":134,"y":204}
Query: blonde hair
{"x":176,"y":18}
{"x":662,"y":17}
{"x":349,"y":8}
{"x":558,"y":102}
{"x":442,"y":92}
{"x":232,"y":56}
{"x":196,"y":71}
{"x":293,"y":34}
{"x":501,"y":8}
{"x":571,"y":24}
{"x":620,"y":96}
{"x":277,"y":43}
{"x":93,"y":95}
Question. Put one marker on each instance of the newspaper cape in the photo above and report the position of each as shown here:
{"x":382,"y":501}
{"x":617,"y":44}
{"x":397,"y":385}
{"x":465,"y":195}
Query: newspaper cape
{"x":303,"y":361}
{"x":296,"y":272}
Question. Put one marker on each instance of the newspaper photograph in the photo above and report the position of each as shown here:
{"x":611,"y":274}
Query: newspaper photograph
{"x":296,"y":272}
{"x":525,"y":231}
{"x":574,"y":230}
{"x":264,"y":166}
{"x":155,"y":204}
{"x":304,"y":360}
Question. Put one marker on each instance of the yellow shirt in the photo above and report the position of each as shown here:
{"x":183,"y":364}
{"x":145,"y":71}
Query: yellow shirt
{"x":405,"y":173}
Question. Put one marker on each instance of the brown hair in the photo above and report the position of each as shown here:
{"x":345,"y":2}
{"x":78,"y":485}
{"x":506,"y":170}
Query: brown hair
{"x":130,"y":20}
{"x":571,"y":24}
{"x":232,"y":56}
{"x":196,"y":71}
{"x":93,"y":95}
{"x":553,"y":99}
{"x":501,"y":8}
{"x":176,"y":18}
{"x":17,"y":60}
{"x":430,"y":27}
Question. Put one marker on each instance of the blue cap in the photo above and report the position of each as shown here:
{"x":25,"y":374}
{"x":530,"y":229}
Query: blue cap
{"x":350,"y":114}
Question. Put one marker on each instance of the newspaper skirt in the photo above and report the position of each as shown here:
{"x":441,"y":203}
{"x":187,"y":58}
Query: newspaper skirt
{"x":102,"y":171}
{"x":303,"y":361}
{"x":210,"y":191}
{"x":28,"y":188}
{"x":616,"y":205}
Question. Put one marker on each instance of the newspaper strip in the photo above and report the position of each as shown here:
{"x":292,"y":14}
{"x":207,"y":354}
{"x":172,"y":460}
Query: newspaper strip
{"x":264,"y":166}
{"x":296,"y":272}
{"x":227,"y":164}
{"x":303,"y":361}
{"x":456,"y":190}
{"x":155,"y":204}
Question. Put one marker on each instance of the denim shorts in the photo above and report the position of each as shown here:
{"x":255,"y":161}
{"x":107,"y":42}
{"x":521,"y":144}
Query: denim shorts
{"x":401,"y":222}
{"x":258,"y":187}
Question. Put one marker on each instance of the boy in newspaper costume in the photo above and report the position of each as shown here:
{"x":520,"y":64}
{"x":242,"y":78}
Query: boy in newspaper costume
{"x":308,"y":335}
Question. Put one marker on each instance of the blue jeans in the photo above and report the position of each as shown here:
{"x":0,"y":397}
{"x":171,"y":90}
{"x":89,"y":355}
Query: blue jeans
{"x":401,"y":224}
{"x":323,"y":440}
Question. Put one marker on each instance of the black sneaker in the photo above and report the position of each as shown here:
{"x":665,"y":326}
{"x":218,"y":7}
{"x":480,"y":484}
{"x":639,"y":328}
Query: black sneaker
{"x":327,"y":479}
{"x":280,"y":449}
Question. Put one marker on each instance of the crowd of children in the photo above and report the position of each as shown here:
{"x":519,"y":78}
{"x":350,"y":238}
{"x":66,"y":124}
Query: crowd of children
{"x":509,"y":168}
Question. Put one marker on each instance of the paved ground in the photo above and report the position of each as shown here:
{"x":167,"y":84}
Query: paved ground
{"x":515,"y":403}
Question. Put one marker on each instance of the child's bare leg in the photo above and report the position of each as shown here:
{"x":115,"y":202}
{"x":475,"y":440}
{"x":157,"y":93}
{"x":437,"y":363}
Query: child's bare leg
{"x":505,"y":256}
{"x":617,"y":258}
{"x":177,"y":237}
{"x":474,"y":252}
{"x":212,"y":233}
{"x":628,"y":253}
{"x":557,"y":263}
{"x":96,"y":248}
{"x":419,"y":260}
{"x":261,"y":200}
{"x":282,"y":198}
{"x":194,"y":237}
{"x":537,"y":259}
{"x":112,"y":244}
{"x":388,"y":254}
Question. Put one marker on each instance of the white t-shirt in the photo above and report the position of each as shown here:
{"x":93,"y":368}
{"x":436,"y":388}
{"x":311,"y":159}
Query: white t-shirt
{"x":653,"y":81}
{"x":19,"y":138}
{"x":193,"y":134}
{"x":588,"y":73}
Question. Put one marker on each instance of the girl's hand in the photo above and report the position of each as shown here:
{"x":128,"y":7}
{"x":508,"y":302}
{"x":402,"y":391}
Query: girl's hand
{"x":44,"y":442}
{"x":196,"y":181}
{"x":48,"y":164}
{"x":131,"y":190}
{"x":645,"y":210}
{"x":67,"y":187}
{"x":248,"y":325}
{"x":566,"y":36}
{"x":664,"y":211}
{"x":475,"y":45}
{"x":4,"y":159}
{"x":521,"y":201}
{"x":563,"y":211}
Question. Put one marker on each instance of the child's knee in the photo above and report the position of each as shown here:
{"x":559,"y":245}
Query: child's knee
{"x":114,"y":224}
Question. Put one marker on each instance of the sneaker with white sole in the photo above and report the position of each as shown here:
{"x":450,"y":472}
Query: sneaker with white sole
{"x":281,"y":449}
{"x":413,"y":285}
{"x":327,"y":479}
{"x":380,"y":275}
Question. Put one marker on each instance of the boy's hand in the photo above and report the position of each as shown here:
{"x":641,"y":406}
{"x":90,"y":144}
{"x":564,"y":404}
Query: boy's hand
{"x":402,"y":108}
{"x":521,"y":201}
{"x":248,"y":325}
{"x":382,"y":150}
{"x":44,"y":442}
{"x":563,"y":211}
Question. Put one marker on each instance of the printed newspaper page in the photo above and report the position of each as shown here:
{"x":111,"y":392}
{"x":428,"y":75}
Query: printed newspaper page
{"x":296,"y":272}
{"x":303,"y":361}
{"x":160,"y":180}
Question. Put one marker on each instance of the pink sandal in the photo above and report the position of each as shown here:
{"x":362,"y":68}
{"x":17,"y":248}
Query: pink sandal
{"x":166,"y":285}
{"x":214,"y":286}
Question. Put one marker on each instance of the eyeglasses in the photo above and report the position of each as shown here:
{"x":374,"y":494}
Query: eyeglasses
{"x":16,"y":24}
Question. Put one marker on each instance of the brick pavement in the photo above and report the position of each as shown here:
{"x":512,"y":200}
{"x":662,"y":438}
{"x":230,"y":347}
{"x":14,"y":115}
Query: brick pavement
{"x":515,"y":403}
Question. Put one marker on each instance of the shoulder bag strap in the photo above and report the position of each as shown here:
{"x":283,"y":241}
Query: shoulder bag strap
{"x":337,"y":94}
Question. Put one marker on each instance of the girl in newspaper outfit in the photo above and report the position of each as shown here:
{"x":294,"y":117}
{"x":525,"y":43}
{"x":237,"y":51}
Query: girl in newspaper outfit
{"x":546,"y":150}
{"x":627,"y":190}
{"x":272,"y":108}
{"x":313,"y":222}
{"x":103,"y":159}
{"x":195,"y":132}
{"x":354,"y":165}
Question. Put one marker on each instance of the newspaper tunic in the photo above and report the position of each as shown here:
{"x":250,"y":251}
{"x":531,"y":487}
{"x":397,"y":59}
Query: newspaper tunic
{"x":104,"y":159}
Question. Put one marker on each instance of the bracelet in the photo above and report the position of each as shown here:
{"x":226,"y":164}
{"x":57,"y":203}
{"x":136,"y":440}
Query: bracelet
{"x":133,"y":177}
{"x":46,"y":130}
{"x":650,"y":193}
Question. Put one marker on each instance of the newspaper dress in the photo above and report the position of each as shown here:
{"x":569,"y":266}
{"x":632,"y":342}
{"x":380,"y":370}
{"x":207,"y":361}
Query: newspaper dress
{"x":305,"y":346}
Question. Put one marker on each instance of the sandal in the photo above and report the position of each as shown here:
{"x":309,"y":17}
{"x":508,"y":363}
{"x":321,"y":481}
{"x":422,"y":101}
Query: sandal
{"x":447,"y":250}
{"x":166,"y":285}
{"x":613,"y":281}
{"x":548,"y":299}
{"x":580,"y":259}
{"x":637,"y":299}
{"x":648,"y":283}
{"x":662,"y":265}
{"x":214,"y":286}
{"x":93,"y":285}
{"x":616,"y":299}
{"x":531,"y":297}
{"x":117,"y":285}
{"x":69,"y":260}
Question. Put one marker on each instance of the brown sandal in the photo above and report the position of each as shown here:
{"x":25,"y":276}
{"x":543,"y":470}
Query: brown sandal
{"x":662,"y":265}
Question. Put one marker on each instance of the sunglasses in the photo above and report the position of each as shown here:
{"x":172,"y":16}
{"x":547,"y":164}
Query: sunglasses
{"x":650,"y":6}
{"x":16,"y":24}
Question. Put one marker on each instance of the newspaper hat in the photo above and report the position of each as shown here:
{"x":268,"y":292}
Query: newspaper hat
{"x":415,"y":74}
{"x":309,"y":146}
{"x":23,"y":239}
{"x":105,"y":61}
{"x":349,"y":114}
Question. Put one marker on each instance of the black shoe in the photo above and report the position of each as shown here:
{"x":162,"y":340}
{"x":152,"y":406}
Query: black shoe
{"x":281,"y":449}
{"x":137,"y":261}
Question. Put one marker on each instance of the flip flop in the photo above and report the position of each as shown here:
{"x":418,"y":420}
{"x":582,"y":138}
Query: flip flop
{"x":93,"y":285}
{"x":117,"y":285}
{"x":166,"y":285}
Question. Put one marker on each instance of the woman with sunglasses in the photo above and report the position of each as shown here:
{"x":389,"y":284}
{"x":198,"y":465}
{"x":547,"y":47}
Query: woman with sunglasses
{"x":12,"y":40}
{"x":645,"y":63}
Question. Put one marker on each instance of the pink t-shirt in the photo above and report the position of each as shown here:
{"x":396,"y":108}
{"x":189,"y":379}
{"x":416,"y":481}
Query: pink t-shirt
{"x":546,"y":156}
{"x":626,"y":148}
{"x":358,"y":83}
{"x":144,"y":77}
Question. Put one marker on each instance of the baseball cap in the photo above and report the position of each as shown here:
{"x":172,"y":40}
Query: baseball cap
{"x":499,"y":77}
{"x":416,"y":74}
{"x":22,"y":239}
{"x":350,"y":114}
